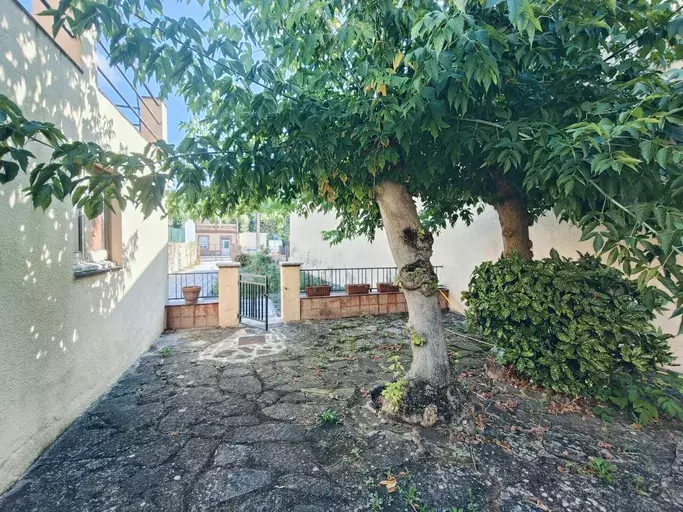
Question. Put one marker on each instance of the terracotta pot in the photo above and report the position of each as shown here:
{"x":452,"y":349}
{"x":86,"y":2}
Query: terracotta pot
{"x":191,"y":294}
{"x":357,"y":289}
{"x":322,"y":290}
{"x":387,"y":288}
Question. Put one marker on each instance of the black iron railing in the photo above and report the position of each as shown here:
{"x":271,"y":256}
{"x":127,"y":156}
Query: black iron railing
{"x":254,"y":297}
{"x":207,"y":280}
{"x":338,"y":278}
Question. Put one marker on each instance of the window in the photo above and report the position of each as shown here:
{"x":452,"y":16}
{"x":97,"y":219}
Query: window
{"x":203,"y":241}
{"x":97,"y":242}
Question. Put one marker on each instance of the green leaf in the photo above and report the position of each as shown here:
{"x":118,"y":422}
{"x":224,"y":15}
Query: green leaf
{"x":646,"y":150}
{"x":11,"y":169}
{"x":5,"y":132}
{"x":515,"y":8}
{"x":663,"y":156}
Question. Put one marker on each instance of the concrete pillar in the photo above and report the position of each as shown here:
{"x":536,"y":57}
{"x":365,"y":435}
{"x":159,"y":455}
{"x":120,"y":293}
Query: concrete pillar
{"x":153,"y":114}
{"x":64,"y":39}
{"x":228,"y":294}
{"x":290,"y":283}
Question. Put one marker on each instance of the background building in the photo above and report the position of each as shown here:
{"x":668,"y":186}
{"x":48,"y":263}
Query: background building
{"x":217,"y":240}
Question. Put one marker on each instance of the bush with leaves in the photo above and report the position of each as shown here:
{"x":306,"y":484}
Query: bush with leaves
{"x":263,"y":264}
{"x":244,"y":259}
{"x":645,"y":397}
{"x":572,"y":326}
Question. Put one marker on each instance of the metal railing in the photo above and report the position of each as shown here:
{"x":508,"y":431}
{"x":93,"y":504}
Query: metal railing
{"x":207,"y":280}
{"x":254,"y":297}
{"x":126,"y":106}
{"x":338,"y":278}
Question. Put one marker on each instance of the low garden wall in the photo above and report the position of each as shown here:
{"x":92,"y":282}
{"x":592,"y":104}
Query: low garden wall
{"x":342,"y":305}
{"x":224,"y":311}
{"x":188,"y":316}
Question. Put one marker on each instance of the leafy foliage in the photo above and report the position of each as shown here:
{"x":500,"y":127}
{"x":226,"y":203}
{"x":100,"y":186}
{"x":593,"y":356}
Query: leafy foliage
{"x":394,"y":393}
{"x":644,"y":397}
{"x":601,"y":468}
{"x":573,"y":326}
{"x":573,"y":106}
{"x":92,"y":176}
{"x":328,"y":417}
{"x":263,"y":264}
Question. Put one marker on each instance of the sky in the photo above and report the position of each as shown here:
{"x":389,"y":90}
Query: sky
{"x":177,"y":111}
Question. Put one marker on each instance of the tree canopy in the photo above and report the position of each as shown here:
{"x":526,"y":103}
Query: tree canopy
{"x":569,"y":106}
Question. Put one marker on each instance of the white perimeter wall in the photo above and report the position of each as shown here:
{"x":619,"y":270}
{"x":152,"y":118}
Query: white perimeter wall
{"x":459,"y":249}
{"x":64,"y":341}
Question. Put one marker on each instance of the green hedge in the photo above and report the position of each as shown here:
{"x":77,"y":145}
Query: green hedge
{"x":573,"y":326}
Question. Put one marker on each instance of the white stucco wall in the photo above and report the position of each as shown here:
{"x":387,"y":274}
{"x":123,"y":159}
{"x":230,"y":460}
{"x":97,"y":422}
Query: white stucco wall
{"x":458,"y":249}
{"x":64,"y":341}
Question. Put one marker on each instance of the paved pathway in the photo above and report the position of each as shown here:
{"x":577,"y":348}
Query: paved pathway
{"x":209,"y":422}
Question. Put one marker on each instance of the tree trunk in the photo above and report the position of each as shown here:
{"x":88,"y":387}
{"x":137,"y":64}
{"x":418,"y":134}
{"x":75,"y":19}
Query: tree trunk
{"x":411,"y":248}
{"x":514,"y":220}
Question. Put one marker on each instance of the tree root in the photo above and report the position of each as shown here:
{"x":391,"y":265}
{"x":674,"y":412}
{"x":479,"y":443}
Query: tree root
{"x":423,"y":404}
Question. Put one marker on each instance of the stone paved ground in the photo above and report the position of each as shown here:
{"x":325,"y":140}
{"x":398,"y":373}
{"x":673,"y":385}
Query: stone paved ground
{"x":201,"y":423}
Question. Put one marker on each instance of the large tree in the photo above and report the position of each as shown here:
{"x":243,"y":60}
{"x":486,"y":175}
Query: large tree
{"x":364,"y":107}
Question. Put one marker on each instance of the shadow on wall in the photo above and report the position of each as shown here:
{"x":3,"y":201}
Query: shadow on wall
{"x":64,"y":340}
{"x":27,"y":73}
{"x":52,"y":378}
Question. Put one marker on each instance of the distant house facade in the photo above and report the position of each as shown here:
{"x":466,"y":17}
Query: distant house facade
{"x":217,"y":240}
{"x":81,"y":299}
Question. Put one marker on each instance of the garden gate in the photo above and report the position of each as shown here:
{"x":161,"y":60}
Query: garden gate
{"x":254,"y":297}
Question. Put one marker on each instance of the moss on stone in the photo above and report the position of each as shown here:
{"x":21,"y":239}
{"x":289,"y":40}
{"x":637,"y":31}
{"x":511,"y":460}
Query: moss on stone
{"x":416,"y":338}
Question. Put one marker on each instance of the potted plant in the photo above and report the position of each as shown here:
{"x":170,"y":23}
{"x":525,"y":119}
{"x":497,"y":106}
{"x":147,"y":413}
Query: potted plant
{"x":387,"y":288}
{"x":191,"y":294}
{"x":321,"y":290}
{"x":357,"y":289}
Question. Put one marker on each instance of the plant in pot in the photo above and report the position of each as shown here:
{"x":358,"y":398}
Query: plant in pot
{"x":191,"y":294}
{"x":357,"y":289}
{"x":387,"y":288}
{"x":321,"y":290}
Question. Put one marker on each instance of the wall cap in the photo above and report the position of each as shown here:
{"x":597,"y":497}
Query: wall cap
{"x":228,"y":264}
{"x":290,"y":264}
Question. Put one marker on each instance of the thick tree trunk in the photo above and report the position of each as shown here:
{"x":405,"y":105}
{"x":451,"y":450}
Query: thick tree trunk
{"x":411,"y":248}
{"x":514,"y":221}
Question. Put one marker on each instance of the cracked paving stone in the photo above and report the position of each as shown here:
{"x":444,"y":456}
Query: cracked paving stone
{"x":189,"y":397}
{"x":179,"y":420}
{"x":231,"y":406}
{"x":131,"y":417}
{"x":268,"y":398}
{"x":284,"y":432}
{"x":284,"y":456}
{"x":231,"y":455}
{"x":219,"y":485}
{"x":195,"y":454}
{"x":237,"y":371}
{"x":248,"y":385}
{"x":310,"y":485}
{"x":293,"y":411}
{"x":166,"y":496}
